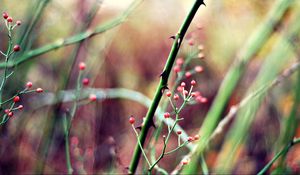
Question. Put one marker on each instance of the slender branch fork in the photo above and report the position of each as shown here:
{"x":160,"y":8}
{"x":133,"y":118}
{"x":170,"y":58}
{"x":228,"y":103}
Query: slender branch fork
{"x":163,"y":84}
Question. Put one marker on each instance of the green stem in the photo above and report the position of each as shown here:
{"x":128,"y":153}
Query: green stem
{"x":163,"y":83}
{"x":140,"y":145}
{"x":67,"y":148}
{"x":280,"y":153}
{"x":8,"y":53}
{"x":232,"y":77}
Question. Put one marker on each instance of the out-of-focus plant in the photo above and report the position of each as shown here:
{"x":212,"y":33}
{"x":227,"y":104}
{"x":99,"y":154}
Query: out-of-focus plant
{"x":9,"y":106}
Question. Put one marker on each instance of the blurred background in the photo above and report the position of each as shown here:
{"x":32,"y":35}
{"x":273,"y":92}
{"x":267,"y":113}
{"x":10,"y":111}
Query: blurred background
{"x":131,"y":56}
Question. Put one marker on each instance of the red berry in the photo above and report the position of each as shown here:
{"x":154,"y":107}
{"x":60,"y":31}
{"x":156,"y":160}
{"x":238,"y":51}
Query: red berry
{"x":81,"y":66}
{"x":179,"y":132}
{"x":20,"y":107}
{"x":168,"y":94}
{"x":182,"y":84}
{"x":167,"y":115}
{"x":188,"y":74}
{"x":9,"y":19}
{"x":29,"y":84}
{"x":16,"y":99}
{"x":186,"y":92}
{"x":6,"y":111}
{"x":176,"y":96}
{"x":176,"y":69}
{"x":5,"y":15}
{"x":18,"y":22}
{"x":85,"y":81}
{"x":10,"y":114}
{"x":17,"y":48}
{"x":199,"y":69}
{"x":190,"y":139}
{"x":185,"y":162}
{"x":74,"y":141}
{"x":203,"y":100}
{"x":131,"y":120}
{"x":193,"y":94}
{"x":93,"y":97}
{"x":179,"y":61}
{"x":193,"y":82}
{"x":191,"y":42}
{"x":179,"y":88}
{"x":39,"y":90}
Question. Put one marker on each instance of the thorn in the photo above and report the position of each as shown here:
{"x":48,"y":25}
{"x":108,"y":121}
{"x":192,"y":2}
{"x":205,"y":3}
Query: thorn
{"x":152,"y":124}
{"x":172,"y":37}
{"x":164,"y":88}
{"x":203,"y":3}
{"x":139,"y":127}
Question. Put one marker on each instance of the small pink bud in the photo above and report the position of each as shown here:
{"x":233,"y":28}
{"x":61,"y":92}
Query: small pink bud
{"x":39,"y":90}
{"x":176,"y":96}
{"x":168,"y":94}
{"x":176,"y":69}
{"x":167,"y":115}
{"x":5,"y":15}
{"x":9,"y":19}
{"x":81,"y":66}
{"x":186,"y":92}
{"x":18,"y":22}
{"x":20,"y":107}
{"x":131,"y":120}
{"x":29,"y":84}
{"x":85,"y":81}
{"x":17,"y":48}
{"x":188,"y":74}
{"x":196,"y":137}
{"x":199,"y":69}
{"x":179,"y":61}
{"x":179,"y":88}
{"x":193,"y":82}
{"x":92,"y":97}
{"x":16,"y":99}
{"x":182,"y":84}
{"x":190,"y":139}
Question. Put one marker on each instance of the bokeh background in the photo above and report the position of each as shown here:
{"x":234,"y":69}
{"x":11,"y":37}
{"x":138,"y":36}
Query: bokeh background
{"x":132,"y":56}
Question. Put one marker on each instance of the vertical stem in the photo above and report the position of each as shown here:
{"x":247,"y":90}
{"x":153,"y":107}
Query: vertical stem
{"x":282,"y":152}
{"x":163,"y":84}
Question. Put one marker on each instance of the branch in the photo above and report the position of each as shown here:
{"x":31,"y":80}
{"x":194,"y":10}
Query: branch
{"x":163,"y":84}
{"x":285,"y":150}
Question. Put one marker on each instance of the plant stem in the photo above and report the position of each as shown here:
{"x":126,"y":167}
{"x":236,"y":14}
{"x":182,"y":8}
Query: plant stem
{"x":163,"y":84}
{"x":7,"y":56}
{"x":282,"y":152}
{"x":66,"y":125}
{"x":232,"y":77}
